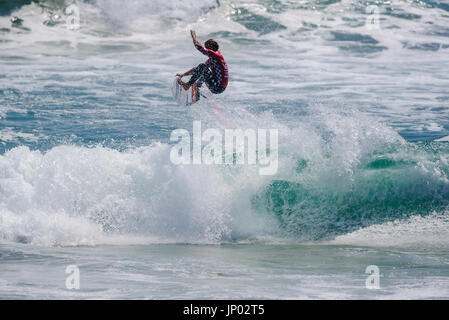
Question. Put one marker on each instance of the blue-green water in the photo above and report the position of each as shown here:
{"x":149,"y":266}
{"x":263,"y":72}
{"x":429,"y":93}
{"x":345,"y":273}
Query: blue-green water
{"x":86,"y":114}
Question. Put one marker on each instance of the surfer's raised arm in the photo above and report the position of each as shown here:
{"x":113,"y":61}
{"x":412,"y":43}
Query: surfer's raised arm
{"x":196,"y":43}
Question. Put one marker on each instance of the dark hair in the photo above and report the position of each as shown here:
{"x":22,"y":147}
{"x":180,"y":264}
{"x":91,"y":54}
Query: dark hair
{"x":211,"y":44}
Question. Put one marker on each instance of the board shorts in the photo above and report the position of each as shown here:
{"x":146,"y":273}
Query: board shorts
{"x":202,"y":74}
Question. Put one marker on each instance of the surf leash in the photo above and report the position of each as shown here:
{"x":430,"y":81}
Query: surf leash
{"x":217,"y":108}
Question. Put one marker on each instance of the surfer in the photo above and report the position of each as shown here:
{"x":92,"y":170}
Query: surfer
{"x":214,"y":72}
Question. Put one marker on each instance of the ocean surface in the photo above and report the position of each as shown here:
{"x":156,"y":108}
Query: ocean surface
{"x":358,"y":91}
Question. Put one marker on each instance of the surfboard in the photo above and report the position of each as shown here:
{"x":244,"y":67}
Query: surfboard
{"x":185,"y":97}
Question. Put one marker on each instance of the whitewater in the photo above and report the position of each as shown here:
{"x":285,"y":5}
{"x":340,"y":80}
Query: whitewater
{"x":358,"y":91}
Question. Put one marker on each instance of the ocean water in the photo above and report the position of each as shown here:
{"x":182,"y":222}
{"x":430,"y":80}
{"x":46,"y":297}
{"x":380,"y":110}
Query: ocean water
{"x":358,"y":91}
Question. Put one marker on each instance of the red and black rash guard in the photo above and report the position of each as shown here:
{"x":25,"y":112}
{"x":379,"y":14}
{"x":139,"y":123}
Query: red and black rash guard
{"x":217,"y":64}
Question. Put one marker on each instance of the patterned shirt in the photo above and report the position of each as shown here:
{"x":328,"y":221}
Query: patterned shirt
{"x":217,"y":64}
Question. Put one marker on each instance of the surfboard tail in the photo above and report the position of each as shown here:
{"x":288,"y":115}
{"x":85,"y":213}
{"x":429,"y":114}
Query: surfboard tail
{"x":185,"y":97}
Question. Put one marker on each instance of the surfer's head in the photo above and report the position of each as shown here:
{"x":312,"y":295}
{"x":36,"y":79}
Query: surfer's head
{"x":211,"y":44}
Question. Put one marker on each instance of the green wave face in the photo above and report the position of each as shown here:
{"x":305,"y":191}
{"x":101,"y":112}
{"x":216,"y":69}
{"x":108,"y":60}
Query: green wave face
{"x":386,"y":187}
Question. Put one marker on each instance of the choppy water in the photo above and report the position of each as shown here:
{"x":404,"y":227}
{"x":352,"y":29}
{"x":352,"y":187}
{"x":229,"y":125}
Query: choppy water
{"x":85,"y":177}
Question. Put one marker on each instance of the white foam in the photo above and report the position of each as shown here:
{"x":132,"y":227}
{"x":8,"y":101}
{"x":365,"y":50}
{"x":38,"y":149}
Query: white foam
{"x":75,"y":195}
{"x":417,"y":232}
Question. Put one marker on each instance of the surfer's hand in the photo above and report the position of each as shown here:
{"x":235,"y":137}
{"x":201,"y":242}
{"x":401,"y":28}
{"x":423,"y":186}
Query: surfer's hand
{"x":196,"y":43}
{"x":179,"y":75}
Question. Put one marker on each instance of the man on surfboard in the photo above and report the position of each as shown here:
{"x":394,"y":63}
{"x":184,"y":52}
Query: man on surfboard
{"x":214,"y":72}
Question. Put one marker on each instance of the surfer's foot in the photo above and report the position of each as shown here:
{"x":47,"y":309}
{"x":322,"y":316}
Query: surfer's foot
{"x":185,"y":85}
